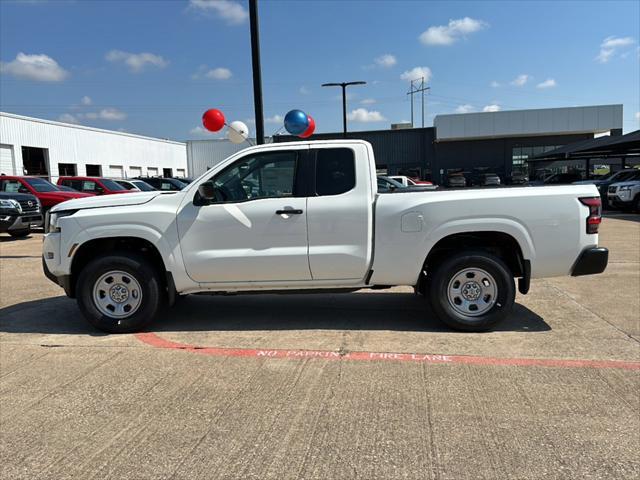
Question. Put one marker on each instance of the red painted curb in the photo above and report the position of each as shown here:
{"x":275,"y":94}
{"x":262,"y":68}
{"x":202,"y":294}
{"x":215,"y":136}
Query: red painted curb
{"x":156,"y":341}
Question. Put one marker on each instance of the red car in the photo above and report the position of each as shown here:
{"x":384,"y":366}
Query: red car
{"x":93,"y":185}
{"x":45,"y":191}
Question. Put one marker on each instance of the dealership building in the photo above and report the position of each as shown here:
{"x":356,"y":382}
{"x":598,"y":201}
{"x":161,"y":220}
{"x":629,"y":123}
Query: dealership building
{"x":498,"y":142}
{"x":33,"y":146}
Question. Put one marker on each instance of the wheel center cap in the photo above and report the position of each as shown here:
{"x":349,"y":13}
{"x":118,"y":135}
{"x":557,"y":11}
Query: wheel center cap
{"x":471,"y":291}
{"x":119,"y":293}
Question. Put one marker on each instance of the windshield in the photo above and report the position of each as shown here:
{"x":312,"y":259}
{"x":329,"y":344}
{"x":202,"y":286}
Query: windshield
{"x":42,"y":185}
{"x":111,"y":185}
{"x":144,"y":186}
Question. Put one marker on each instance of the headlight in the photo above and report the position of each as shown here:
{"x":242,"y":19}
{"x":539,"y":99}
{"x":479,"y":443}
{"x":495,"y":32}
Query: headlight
{"x":624,"y":188}
{"x":10,"y":203}
{"x":52,"y":225}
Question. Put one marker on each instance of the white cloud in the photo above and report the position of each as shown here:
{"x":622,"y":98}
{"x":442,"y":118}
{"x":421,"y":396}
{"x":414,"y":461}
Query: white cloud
{"x":110,"y":114}
{"x":232,"y":12}
{"x":494,"y":84}
{"x":386,"y":61}
{"x":199,"y":131}
{"x":548,"y":83}
{"x":520,"y":80}
{"x":137,"y":62}
{"x":416,"y":73}
{"x":275,"y":119}
{"x":367,"y":101}
{"x":363,"y":115}
{"x":86,"y":100}
{"x":304,"y":90}
{"x":40,"y":68}
{"x":491,"y":108}
{"x":219,"y":73}
{"x":452,"y":32}
{"x":68,"y":118}
{"x":466,"y":108}
{"x":612,"y":45}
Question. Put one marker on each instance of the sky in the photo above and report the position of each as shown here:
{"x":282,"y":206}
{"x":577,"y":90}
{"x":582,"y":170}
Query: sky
{"x":153,"y":67}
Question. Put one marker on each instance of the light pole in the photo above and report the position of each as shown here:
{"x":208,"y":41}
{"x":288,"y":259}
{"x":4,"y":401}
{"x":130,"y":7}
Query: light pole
{"x":344,"y":86}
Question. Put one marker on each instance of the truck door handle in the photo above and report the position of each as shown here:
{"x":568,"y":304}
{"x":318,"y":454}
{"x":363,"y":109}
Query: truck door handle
{"x":289,"y":212}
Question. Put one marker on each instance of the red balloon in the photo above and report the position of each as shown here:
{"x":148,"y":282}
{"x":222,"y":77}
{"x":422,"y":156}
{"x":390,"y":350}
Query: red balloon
{"x":213,"y":120}
{"x":310,"y":129}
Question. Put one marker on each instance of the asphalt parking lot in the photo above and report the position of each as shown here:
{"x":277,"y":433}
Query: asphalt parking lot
{"x":366,"y":385}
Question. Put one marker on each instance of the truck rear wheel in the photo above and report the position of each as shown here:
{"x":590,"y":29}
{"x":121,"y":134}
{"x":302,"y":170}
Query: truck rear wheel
{"x":472,"y":291}
{"x":119,"y":293}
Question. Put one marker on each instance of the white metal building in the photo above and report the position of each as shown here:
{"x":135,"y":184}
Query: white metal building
{"x":205,"y":154}
{"x":33,"y":146}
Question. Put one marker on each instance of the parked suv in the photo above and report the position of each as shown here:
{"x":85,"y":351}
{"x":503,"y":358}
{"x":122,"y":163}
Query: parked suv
{"x":93,"y":185}
{"x":164,"y":184}
{"x":624,"y":175}
{"x":18,"y":213}
{"x":46,"y":192}
{"x":625,"y":195}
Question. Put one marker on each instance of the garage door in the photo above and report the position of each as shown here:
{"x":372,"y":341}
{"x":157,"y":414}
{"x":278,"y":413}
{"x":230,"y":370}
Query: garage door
{"x":135,"y":172}
{"x":7,"y":165}
{"x":181,"y":173}
{"x":152,"y":171}
{"x":116,"y":171}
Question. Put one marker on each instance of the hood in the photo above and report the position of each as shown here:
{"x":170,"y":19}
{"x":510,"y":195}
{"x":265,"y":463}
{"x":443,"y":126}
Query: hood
{"x":17,"y":196}
{"x":136,"y":198}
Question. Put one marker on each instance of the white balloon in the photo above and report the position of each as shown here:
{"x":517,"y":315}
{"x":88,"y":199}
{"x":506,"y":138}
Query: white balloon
{"x":238,"y":132}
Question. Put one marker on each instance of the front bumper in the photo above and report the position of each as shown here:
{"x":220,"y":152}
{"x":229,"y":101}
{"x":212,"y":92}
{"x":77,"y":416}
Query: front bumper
{"x":590,"y":262}
{"x":20,"y":222}
{"x":63,"y":281}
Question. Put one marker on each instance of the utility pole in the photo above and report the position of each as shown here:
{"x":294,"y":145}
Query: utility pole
{"x":344,"y":86}
{"x":257,"y":73}
{"x":411,"y":91}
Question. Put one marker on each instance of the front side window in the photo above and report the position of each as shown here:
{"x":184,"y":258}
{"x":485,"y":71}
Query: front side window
{"x":265,"y":175}
{"x":335,"y":171}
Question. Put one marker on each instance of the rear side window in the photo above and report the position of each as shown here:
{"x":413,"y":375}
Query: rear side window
{"x":335,"y":171}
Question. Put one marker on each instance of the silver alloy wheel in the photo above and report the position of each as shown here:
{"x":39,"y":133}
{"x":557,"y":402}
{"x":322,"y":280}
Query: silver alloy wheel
{"x":117,"y":294}
{"x":472,"y":292}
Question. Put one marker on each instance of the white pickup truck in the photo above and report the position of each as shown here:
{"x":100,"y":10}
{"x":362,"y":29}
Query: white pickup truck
{"x":307,"y":216}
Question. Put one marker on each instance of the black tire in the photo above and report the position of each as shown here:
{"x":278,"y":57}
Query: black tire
{"x":636,"y":204}
{"x":136,"y":266}
{"x":446,"y":272}
{"x":20,"y":233}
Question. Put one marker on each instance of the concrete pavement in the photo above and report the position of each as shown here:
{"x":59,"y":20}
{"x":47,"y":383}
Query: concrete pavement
{"x":75,"y":403}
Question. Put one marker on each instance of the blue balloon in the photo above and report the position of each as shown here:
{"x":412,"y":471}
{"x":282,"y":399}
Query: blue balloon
{"x":296,"y":122}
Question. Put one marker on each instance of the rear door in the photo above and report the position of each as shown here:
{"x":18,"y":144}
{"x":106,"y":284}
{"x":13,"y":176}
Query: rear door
{"x":340,"y":214}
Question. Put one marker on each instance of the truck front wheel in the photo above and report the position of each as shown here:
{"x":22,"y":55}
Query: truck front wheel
{"x":472,"y":291}
{"x":119,"y":293}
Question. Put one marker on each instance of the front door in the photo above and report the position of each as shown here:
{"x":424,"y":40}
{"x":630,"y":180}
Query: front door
{"x":256,"y":228}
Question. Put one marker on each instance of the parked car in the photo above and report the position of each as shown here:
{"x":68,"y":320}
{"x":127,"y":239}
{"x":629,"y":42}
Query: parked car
{"x":306,"y":215}
{"x":627,"y":174}
{"x":46,"y":192}
{"x":19,"y":212}
{"x":408,"y":181}
{"x":136,"y":185}
{"x":164,"y":184}
{"x":64,"y":188}
{"x":485,"y":180}
{"x":518,"y":178}
{"x":625,"y":195}
{"x":562,"y":178}
{"x":93,"y":185}
{"x":387,"y":184}
{"x":456,"y":180}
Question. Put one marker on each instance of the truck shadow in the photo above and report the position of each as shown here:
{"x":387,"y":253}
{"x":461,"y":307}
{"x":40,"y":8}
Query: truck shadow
{"x":363,"y":311}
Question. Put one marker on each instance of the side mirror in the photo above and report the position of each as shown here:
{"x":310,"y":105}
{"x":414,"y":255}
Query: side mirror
{"x":207,"y":191}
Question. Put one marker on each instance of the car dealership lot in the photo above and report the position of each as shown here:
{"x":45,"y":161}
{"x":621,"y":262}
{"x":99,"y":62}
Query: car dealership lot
{"x":326,"y":386}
